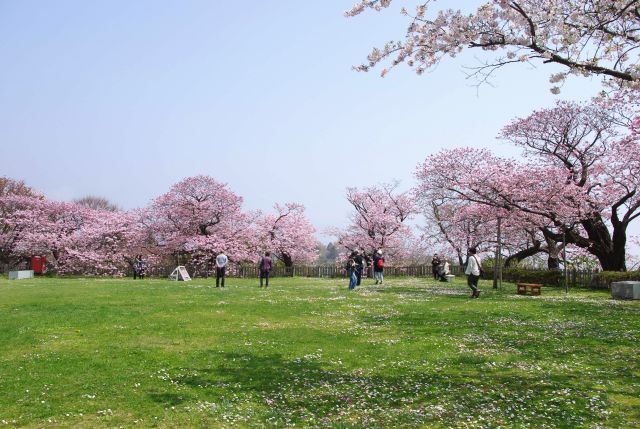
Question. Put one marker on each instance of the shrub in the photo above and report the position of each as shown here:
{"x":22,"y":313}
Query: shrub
{"x":603,"y":280}
{"x":519,"y":275}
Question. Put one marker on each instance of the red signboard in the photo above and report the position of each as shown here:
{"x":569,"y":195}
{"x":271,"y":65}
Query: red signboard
{"x":38,"y":264}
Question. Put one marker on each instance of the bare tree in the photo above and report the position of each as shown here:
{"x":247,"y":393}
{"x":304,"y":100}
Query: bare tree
{"x":97,"y":203}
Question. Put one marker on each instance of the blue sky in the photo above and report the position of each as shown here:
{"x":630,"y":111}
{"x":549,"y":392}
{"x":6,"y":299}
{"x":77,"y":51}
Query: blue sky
{"x":121,"y":99}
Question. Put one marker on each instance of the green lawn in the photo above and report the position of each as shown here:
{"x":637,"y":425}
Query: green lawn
{"x":307,"y":352}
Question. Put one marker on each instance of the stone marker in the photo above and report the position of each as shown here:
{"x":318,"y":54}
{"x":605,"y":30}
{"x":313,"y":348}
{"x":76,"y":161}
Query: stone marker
{"x":625,"y":290}
{"x":19,"y":275}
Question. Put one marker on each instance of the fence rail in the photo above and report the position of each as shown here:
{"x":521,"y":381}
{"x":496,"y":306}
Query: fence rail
{"x":576,"y":278}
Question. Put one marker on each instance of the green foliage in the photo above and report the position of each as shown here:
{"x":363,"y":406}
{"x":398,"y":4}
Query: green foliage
{"x":583,"y":262}
{"x":98,"y":352}
{"x":545,"y":277}
{"x":327,"y":254}
{"x":603,"y":280}
{"x":519,"y":275}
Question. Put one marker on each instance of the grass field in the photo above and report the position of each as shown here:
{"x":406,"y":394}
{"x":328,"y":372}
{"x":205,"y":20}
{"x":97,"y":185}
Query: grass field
{"x":307,"y":352}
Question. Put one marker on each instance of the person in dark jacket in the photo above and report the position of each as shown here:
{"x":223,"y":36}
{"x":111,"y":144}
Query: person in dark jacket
{"x":265,"y":268}
{"x":142,"y":267}
{"x":136,"y":260}
{"x":378,"y":266}
{"x":351,"y":270}
{"x":360,"y":261}
{"x":435,"y":266}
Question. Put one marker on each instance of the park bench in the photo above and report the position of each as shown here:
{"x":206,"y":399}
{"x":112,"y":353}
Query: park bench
{"x":531,"y":288}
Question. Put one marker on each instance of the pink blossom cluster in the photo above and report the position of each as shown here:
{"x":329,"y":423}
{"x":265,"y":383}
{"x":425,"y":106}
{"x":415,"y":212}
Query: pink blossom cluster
{"x":379,"y":220}
{"x":598,"y":37}
{"x":197,"y":218}
{"x":578,"y":182}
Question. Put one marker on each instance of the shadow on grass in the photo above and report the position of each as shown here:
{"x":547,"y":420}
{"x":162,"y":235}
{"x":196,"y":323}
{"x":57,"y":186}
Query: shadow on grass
{"x":167,"y":399}
{"x":299,"y":389}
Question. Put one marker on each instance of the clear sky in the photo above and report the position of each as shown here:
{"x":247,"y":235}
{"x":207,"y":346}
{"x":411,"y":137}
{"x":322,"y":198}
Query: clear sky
{"x":121,"y":99}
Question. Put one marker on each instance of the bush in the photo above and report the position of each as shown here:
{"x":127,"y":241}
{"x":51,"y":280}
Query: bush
{"x":519,"y":275}
{"x":603,"y":280}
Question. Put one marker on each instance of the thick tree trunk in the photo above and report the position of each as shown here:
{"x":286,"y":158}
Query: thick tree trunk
{"x":553,"y":261}
{"x":610,"y":251}
{"x":286,"y":260}
{"x":614,"y":258}
{"x":523,"y":254}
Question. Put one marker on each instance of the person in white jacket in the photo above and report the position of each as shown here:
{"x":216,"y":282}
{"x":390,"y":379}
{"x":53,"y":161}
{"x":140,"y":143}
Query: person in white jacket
{"x":473,"y":272}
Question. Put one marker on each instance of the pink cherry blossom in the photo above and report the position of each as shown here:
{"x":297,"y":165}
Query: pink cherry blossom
{"x":585,"y":38}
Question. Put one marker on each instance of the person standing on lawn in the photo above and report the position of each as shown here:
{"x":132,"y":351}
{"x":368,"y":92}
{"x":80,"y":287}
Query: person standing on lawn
{"x":142,"y":267}
{"x":378,"y":266}
{"x":265,"y":268}
{"x":221,"y":268}
{"x":351,"y":270}
{"x":360,"y":261}
{"x":435,"y":266}
{"x":473,"y":272}
{"x":136,"y":260}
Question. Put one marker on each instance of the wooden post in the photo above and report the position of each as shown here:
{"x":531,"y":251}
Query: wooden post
{"x":564,"y":258}
{"x":496,"y":260}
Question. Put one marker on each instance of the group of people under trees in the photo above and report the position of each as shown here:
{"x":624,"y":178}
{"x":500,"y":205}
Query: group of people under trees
{"x":139,"y":267}
{"x":358,"y":261}
{"x":440,"y":268}
{"x":356,"y":264}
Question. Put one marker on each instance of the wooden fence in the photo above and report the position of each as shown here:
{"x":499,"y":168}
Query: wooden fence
{"x":576,"y":278}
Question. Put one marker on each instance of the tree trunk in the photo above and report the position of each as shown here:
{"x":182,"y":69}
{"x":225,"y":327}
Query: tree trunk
{"x":286,"y":260}
{"x":553,"y":261}
{"x":523,"y":254}
{"x":610,"y":251}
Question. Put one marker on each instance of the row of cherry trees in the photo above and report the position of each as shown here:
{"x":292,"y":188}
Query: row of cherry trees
{"x":197,"y":218}
{"x":575,"y":189}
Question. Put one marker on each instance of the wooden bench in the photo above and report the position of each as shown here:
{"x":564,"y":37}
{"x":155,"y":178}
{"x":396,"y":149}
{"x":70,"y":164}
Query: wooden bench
{"x":531,"y":288}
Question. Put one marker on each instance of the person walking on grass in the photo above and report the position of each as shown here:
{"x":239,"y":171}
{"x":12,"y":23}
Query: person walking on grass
{"x":221,"y":267}
{"x":378,"y":266}
{"x":351,"y":270}
{"x":473,"y":272}
{"x":435,"y":266}
{"x":265,"y":268}
{"x":360,"y":262}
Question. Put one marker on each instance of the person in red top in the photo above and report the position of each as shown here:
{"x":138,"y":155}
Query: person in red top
{"x":265,"y":268}
{"x":378,"y":266}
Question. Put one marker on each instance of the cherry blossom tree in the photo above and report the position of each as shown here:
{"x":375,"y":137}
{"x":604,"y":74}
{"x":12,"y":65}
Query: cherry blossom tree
{"x":50,"y":228}
{"x":580,"y":182}
{"x":584,"y":37}
{"x":10,"y":186}
{"x":104,"y":245}
{"x":15,"y":197}
{"x":452,"y":226}
{"x":378,"y":221}
{"x":199,"y":217}
{"x":455,"y":226}
{"x":288,"y":234}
